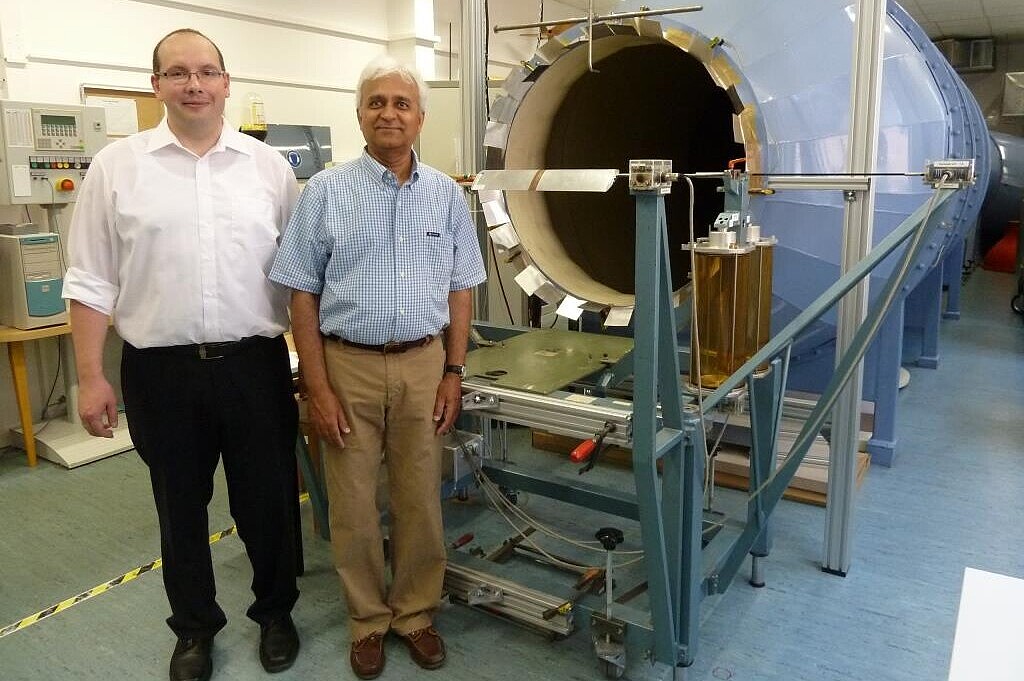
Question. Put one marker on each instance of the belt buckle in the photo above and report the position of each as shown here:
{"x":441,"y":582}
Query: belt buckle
{"x":209,"y":351}
{"x":392,"y":346}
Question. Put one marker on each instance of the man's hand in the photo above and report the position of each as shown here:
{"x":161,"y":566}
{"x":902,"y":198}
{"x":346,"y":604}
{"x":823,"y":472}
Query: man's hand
{"x":328,"y":416}
{"x":97,"y":406}
{"x":447,"y":403}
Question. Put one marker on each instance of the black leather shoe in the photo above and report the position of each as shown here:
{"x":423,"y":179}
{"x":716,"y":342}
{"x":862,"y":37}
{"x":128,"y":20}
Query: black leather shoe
{"x":191,"y":660}
{"x":279,"y":644}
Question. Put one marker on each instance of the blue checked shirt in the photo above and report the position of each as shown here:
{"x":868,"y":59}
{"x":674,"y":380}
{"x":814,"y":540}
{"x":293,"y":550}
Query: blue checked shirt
{"x":382,"y":258}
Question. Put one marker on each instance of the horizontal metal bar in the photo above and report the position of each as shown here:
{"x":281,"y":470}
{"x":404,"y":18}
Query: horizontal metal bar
{"x":857,"y":183}
{"x":604,"y":17}
{"x":558,"y":412}
{"x":571,"y":491}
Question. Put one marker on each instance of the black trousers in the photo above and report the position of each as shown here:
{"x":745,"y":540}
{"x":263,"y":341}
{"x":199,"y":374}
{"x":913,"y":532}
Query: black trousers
{"x":184,"y":414}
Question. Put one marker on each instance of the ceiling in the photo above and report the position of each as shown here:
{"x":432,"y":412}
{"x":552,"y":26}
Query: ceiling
{"x":940,"y":18}
{"x":968,"y":18}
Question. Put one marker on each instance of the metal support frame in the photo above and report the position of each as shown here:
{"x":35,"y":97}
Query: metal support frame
{"x":670,"y":512}
{"x":865,"y":105}
{"x":473,"y":93}
{"x":670,"y":507}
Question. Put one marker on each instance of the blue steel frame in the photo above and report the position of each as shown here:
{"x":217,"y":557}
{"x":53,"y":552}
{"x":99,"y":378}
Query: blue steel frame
{"x":671,"y":516}
{"x":670,"y":509}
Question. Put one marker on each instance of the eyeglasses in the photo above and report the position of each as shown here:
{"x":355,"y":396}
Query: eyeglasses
{"x":181,"y":76}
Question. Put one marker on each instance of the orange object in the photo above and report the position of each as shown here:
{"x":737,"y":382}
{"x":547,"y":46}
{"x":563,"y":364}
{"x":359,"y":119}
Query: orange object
{"x":1002,"y":257}
{"x":583,"y":451}
{"x":66,"y":185}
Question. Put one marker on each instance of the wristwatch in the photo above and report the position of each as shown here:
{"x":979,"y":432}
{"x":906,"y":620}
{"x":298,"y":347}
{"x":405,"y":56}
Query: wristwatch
{"x":457,"y":369}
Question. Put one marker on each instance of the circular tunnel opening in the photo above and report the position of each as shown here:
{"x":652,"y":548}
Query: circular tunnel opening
{"x":649,"y":99}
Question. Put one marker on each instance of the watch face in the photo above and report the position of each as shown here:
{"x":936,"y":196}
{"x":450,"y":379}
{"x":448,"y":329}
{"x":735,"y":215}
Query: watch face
{"x":457,"y":369}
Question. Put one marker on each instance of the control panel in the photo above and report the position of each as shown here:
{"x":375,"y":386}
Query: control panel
{"x":46,"y":150}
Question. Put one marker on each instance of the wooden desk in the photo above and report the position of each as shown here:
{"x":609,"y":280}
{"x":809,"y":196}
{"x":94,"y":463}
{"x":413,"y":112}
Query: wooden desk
{"x":15,"y":340}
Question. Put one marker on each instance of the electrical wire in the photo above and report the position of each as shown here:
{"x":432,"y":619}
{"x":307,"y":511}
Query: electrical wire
{"x":501,"y":284}
{"x":46,"y":403}
{"x":694,"y":326}
{"x":499,"y":501}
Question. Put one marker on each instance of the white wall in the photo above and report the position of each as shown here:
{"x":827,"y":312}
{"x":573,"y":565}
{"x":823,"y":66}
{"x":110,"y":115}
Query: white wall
{"x":302,"y":57}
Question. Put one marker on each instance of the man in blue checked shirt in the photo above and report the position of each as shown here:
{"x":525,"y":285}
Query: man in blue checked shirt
{"x":381,"y":256}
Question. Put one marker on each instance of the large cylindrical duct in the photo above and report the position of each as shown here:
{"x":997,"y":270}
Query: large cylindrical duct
{"x":769,"y":81}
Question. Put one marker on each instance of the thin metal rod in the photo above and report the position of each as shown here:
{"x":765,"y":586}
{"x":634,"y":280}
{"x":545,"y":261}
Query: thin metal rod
{"x":605,"y":17}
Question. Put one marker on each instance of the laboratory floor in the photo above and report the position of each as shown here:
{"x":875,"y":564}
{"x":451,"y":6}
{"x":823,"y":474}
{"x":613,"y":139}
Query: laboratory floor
{"x":952,"y":500}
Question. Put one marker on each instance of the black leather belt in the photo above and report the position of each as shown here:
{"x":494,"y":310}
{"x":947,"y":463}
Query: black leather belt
{"x":208,"y":350}
{"x":388,"y":348}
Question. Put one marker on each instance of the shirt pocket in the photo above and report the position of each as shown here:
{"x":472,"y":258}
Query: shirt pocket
{"x":437,"y":253}
{"x":255,"y":229}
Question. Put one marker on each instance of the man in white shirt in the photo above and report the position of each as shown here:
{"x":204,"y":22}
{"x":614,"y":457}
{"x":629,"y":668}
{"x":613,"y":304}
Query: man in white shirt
{"x":173,"y":234}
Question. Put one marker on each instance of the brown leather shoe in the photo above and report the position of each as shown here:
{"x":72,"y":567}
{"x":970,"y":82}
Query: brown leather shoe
{"x":426,"y":647}
{"x":367,"y":656}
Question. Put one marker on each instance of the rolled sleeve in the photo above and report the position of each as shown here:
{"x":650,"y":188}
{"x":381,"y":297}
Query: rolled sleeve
{"x":92,"y":257}
{"x":468,"y":269}
{"x":90,"y":290}
{"x":302,"y":257}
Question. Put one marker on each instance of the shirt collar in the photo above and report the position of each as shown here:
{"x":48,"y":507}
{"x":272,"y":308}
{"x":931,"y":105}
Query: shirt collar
{"x":229,"y":139}
{"x":380,"y":172}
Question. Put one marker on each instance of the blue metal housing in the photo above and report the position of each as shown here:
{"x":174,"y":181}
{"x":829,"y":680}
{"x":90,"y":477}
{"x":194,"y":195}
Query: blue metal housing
{"x":794,"y":63}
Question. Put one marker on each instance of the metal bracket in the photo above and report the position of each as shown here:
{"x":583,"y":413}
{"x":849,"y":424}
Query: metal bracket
{"x":485,"y":593}
{"x":478,"y":400}
{"x":609,"y":635}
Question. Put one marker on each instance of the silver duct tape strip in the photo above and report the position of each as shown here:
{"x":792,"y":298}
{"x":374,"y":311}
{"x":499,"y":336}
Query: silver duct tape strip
{"x":504,"y":236}
{"x":571,"y":180}
{"x":514,"y":180}
{"x":550,"y":293}
{"x":648,"y":28}
{"x":518,"y":603}
{"x":503,"y":110}
{"x":551,"y":50}
{"x":496,"y":135}
{"x":558,"y":180}
{"x":534,"y":283}
{"x":494,"y":212}
{"x":619,"y":316}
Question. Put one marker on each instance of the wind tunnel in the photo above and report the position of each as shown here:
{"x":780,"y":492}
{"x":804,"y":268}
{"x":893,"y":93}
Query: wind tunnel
{"x":770,"y":82}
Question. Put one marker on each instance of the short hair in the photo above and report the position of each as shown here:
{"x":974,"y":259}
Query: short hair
{"x":192,"y":31}
{"x":386,"y":65}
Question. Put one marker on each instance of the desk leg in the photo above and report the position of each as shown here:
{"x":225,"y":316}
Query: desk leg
{"x":16,"y":353}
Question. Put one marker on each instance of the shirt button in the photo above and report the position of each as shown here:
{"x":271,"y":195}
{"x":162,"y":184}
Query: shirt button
{"x":401,"y":239}
{"x":402,"y":275}
{"x":401,"y":312}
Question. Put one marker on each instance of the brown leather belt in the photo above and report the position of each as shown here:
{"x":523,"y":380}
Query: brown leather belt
{"x":388,"y":348}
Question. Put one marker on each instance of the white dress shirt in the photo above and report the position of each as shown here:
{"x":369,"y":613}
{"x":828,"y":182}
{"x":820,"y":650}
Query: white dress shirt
{"x":177,"y":247}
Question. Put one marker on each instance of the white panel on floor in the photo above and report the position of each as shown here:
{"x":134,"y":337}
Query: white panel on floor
{"x":987,"y":644}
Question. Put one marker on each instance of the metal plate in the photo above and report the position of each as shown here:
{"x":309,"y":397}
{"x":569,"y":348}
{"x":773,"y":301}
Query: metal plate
{"x":545,"y":360}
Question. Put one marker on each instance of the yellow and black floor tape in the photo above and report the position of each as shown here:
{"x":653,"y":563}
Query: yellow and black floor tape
{"x":106,"y":586}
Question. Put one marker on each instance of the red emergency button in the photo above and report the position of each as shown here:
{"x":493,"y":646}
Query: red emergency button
{"x":66,"y":185}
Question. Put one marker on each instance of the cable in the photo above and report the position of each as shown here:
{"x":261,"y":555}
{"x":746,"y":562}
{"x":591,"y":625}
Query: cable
{"x":499,"y":500}
{"x":540,"y":18}
{"x":56,"y":375}
{"x":695,"y":327}
{"x":501,"y":285}
{"x":907,"y":174}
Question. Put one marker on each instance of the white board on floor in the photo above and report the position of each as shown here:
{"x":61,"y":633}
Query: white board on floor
{"x":987,"y":643}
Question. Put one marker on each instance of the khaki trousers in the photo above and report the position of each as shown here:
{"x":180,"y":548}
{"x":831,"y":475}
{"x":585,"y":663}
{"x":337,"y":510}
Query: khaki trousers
{"x":389,"y":404}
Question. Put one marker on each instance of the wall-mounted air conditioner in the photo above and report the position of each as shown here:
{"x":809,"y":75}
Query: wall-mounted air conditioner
{"x":968,"y":56}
